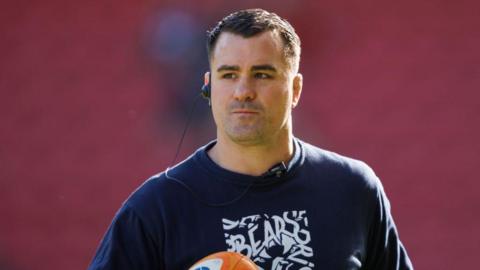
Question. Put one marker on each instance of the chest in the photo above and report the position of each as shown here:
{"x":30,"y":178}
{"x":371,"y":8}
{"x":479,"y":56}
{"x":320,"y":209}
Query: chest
{"x":305,"y":236}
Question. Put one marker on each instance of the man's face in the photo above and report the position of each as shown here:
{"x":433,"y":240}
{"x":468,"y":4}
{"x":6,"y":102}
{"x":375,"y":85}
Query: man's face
{"x":253,"y":88}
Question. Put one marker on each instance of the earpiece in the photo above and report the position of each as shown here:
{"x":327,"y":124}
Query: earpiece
{"x":206,"y":91}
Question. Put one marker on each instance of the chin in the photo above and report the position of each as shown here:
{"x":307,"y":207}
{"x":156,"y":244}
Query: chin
{"x":247,"y":138}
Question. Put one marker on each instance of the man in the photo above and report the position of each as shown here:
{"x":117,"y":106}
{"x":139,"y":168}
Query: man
{"x":256,"y":189}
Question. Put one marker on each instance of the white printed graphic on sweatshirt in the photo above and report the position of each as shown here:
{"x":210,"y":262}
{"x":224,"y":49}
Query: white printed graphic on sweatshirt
{"x":276,"y":242}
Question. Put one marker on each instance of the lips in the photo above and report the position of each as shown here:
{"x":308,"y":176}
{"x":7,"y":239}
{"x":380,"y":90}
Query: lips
{"x":244,"y":112}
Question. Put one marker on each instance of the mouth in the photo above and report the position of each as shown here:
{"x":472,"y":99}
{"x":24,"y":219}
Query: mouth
{"x":244,"y":112}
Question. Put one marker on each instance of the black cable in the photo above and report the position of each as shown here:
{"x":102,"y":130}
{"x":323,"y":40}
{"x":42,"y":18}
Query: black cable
{"x":178,"y":181}
{"x":185,"y":130}
{"x":244,"y":192}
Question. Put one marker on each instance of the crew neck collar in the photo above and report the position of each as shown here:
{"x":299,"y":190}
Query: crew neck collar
{"x":214,"y":170}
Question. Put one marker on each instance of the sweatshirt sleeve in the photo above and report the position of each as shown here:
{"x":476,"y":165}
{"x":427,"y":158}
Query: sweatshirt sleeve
{"x":385,"y":250}
{"x":127,"y":244}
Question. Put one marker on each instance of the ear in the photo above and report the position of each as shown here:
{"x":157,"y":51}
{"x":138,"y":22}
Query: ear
{"x":297,"y":89}
{"x":206,"y":78}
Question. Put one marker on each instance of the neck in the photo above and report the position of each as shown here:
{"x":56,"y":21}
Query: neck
{"x":252,"y":159}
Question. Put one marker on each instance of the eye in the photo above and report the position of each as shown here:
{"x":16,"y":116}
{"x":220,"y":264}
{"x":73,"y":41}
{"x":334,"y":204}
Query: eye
{"x":261,"y":75}
{"x":229,"y":76}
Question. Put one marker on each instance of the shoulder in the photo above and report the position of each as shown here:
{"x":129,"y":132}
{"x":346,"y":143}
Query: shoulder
{"x":339,"y":168}
{"x":145,"y":204}
{"x":160,"y":191}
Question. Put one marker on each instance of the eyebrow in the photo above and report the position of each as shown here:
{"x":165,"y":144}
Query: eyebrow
{"x":264,"y":67}
{"x":228,"y":68}
{"x":254,"y":68}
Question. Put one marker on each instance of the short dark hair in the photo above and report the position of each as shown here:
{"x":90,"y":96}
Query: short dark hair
{"x":250,"y":22}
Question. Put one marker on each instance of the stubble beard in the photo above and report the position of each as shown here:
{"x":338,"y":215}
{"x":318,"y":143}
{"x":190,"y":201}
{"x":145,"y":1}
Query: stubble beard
{"x":246,"y":134}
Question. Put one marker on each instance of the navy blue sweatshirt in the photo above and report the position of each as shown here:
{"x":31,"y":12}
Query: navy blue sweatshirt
{"x":325,"y":212}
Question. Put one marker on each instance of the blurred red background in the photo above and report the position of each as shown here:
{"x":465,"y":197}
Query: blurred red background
{"x":94,"y":96}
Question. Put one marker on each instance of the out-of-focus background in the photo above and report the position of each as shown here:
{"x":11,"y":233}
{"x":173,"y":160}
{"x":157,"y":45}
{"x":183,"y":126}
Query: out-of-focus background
{"x":95,"y":94}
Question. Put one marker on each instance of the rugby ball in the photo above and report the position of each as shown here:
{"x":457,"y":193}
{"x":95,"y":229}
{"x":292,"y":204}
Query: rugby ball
{"x":224,"y":260}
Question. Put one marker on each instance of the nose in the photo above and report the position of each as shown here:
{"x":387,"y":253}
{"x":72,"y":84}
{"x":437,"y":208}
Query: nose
{"x":244,"y":90}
